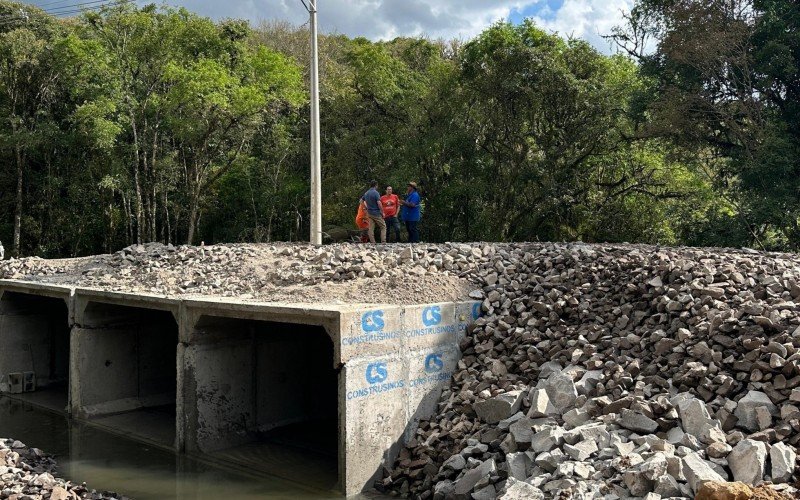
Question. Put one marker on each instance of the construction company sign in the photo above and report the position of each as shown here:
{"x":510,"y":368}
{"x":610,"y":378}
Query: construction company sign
{"x":379,"y":376}
{"x":442,"y":321}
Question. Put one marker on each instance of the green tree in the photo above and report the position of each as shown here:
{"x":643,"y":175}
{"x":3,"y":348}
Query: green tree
{"x":27,"y":89}
{"x":215,"y":109}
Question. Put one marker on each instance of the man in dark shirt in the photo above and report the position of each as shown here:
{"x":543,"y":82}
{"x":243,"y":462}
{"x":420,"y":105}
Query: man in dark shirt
{"x":375,"y":212}
{"x":411,"y":212}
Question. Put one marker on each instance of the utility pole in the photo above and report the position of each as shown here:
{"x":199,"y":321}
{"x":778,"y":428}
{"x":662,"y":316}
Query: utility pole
{"x":316,"y":157}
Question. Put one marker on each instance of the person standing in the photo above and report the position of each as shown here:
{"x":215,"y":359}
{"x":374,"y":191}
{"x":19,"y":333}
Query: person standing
{"x":411,"y":212}
{"x":375,"y":212}
{"x":391,"y":205}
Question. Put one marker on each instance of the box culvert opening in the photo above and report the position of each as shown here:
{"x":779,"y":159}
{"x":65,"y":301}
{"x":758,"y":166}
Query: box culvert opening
{"x":267,"y":398}
{"x":34,"y":349}
{"x":126,"y":359}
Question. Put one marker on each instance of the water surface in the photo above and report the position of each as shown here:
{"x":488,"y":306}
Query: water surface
{"x":110,"y":462}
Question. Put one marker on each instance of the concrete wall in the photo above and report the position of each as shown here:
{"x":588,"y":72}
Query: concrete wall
{"x":122,"y":359}
{"x":218,"y":408}
{"x":250,"y":377}
{"x":246,"y":368}
{"x":34,"y":335}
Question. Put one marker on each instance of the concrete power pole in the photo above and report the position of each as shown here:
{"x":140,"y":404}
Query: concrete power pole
{"x":316,"y":157}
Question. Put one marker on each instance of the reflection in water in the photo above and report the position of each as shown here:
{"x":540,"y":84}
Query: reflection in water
{"x":110,"y":462}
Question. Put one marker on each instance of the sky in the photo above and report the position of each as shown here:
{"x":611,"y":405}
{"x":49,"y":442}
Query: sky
{"x":386,"y":19}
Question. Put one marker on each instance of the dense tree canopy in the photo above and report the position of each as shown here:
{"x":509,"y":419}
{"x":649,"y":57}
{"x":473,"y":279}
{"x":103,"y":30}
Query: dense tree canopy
{"x":154,"y":124}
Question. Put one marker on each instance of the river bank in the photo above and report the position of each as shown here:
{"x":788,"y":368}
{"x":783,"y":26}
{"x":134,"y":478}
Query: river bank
{"x":31,"y":474}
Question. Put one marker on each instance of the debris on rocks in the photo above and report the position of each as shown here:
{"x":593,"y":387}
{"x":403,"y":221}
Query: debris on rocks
{"x":30,"y":474}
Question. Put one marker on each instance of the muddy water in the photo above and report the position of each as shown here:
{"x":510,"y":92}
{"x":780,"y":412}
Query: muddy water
{"x":107,"y":461}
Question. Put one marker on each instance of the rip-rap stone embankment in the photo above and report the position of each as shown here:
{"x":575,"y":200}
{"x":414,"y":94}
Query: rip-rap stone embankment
{"x":30,"y":474}
{"x":617,"y":371}
{"x":606,"y":371}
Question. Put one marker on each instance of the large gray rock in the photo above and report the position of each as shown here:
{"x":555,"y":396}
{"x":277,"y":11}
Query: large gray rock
{"x":697,"y":471}
{"x":522,"y":430}
{"x":748,"y":461}
{"x":547,"y":439}
{"x":520,"y":490}
{"x":642,"y":478}
{"x":637,"y":422}
{"x":782,"y":457}
{"x":550,"y":460}
{"x":746,"y":409}
{"x":561,"y":390}
{"x":467,"y":482}
{"x":499,"y":407}
{"x":696,"y":420}
{"x":581,"y":451}
{"x":518,"y":465}
{"x":540,"y":404}
{"x":455,"y":463}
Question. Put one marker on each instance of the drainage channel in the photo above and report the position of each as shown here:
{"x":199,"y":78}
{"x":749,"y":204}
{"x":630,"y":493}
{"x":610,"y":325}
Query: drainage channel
{"x":259,"y":387}
{"x":108,"y":461}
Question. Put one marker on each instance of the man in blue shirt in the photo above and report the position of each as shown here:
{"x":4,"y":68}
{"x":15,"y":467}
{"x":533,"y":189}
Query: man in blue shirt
{"x":375,"y":212}
{"x":411,"y":213}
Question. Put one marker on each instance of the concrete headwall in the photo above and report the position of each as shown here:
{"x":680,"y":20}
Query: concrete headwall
{"x":236,"y":370}
{"x":397,"y":359}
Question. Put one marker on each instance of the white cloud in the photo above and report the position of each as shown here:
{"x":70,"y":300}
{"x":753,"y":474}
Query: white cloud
{"x":375,"y":19}
{"x":587,"y":19}
{"x":386,"y":19}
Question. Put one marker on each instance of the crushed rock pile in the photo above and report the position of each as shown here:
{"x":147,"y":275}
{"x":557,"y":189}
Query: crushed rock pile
{"x":29,"y":474}
{"x":269,"y":272}
{"x":616,"y":372}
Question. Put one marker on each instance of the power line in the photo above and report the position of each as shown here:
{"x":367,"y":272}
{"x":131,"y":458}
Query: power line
{"x":59,"y":12}
{"x":72,"y":6}
{"x":42,"y":6}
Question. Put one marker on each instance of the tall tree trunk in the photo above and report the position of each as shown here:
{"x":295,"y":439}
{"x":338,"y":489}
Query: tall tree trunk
{"x":154,"y":202}
{"x":193,"y":209}
{"x":136,"y":182}
{"x":194,"y":203}
{"x":167,"y":225}
{"x":18,"y":206}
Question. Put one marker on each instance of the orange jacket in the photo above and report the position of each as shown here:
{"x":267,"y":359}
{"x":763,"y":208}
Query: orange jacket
{"x":361,"y":216}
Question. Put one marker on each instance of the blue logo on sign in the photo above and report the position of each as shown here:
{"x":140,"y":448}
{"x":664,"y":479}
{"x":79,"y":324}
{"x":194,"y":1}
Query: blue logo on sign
{"x":372,"y":321}
{"x":432,"y":316}
{"x":376,"y":372}
{"x":476,"y":310}
{"x":434,"y":363}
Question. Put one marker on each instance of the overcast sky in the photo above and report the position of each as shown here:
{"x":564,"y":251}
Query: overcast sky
{"x":386,"y":19}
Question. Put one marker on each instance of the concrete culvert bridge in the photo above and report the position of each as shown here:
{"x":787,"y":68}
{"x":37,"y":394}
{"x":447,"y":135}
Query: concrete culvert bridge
{"x":299,"y":391}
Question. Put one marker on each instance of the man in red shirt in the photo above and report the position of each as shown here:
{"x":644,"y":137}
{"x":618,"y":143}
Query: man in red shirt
{"x":391,"y":204}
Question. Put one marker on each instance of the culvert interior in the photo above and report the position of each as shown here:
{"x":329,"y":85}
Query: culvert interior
{"x":125,"y":358}
{"x":267,"y":397}
{"x":35,"y":339}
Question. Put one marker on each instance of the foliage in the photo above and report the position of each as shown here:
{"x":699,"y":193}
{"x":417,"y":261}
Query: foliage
{"x":726,"y":89}
{"x":136,"y":124}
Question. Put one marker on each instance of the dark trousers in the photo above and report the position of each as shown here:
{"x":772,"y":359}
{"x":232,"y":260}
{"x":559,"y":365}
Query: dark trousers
{"x":392,"y":225}
{"x":413,"y":231}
